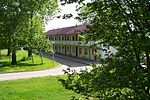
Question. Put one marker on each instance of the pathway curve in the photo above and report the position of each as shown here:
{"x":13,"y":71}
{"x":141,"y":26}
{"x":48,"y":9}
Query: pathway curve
{"x":50,"y":72}
{"x":66,"y":62}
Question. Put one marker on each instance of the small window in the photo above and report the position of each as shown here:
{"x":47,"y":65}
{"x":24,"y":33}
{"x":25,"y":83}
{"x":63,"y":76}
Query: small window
{"x":63,"y":47}
{"x":55,"y":47}
{"x":80,"y":50}
{"x":59,"y":37}
{"x":76,"y":37}
{"x":73,"y":49}
{"x":73,"y":38}
{"x":94,"y":51}
{"x":67,"y":49}
{"x":85,"y":51}
{"x":59,"y":47}
{"x":67,"y":37}
{"x":55,"y":37}
{"x":62,"y":37}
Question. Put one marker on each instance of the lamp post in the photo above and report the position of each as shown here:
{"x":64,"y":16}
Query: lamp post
{"x":94,"y":54}
{"x":53,"y":57}
{"x":53,"y":53}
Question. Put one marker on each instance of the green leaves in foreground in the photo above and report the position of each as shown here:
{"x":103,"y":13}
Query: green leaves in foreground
{"x":115,"y":80}
{"x":124,"y":25}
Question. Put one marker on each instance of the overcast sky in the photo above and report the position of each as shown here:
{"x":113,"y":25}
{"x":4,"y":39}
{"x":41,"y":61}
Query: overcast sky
{"x":59,"y":23}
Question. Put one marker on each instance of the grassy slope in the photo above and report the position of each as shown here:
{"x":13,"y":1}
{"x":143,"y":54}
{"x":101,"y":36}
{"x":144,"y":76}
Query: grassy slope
{"x":24,"y":65}
{"x":44,"y":88}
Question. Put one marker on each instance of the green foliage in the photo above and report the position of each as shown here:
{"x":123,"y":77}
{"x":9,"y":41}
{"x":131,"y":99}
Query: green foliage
{"x":114,"y":79}
{"x":123,"y":24}
{"x":21,"y":20}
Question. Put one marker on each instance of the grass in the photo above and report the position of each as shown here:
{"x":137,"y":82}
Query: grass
{"x":24,"y":64}
{"x":43,"y":88}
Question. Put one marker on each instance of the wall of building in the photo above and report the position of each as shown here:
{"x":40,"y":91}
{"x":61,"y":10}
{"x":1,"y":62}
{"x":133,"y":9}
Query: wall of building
{"x":79,"y":50}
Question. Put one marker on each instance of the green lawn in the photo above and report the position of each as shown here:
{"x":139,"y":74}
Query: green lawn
{"x":24,"y":64}
{"x":43,"y":88}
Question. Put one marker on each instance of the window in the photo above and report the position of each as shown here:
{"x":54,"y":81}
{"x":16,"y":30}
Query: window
{"x":94,"y":51}
{"x":62,"y":37}
{"x":55,"y":38}
{"x":55,"y":47}
{"x":73,"y":49}
{"x":67,"y":37}
{"x":59,"y":37}
{"x":85,"y":51}
{"x":80,"y":50}
{"x":73,"y":38}
{"x":63,"y":48}
{"x":76,"y":37}
{"x":52,"y":37}
{"x":59,"y":47}
{"x":67,"y":49}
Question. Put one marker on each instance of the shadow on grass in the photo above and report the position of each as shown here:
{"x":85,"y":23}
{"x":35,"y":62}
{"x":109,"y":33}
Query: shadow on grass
{"x":3,"y":56}
{"x":27,"y":64}
{"x":4,"y":63}
{"x":4,"y":66}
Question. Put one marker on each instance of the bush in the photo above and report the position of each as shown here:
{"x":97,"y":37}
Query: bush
{"x":116,"y":79}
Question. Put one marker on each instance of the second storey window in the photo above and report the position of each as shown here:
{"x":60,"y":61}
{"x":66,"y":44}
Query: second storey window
{"x":55,"y":37}
{"x":63,"y":38}
{"x":59,"y":37}
{"x":73,"y":38}
{"x":67,"y":37}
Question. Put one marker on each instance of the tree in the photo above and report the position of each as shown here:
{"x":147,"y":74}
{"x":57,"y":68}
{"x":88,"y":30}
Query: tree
{"x":124,"y":25}
{"x":15,"y":15}
{"x":37,"y":40}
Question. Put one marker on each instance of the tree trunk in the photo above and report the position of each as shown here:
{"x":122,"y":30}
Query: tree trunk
{"x":41,"y":57}
{"x":147,"y":89}
{"x":8,"y":52}
{"x":0,"y":52}
{"x":32,"y":59}
{"x":13,"y":62}
{"x":29,"y":53}
{"x":137,"y":55}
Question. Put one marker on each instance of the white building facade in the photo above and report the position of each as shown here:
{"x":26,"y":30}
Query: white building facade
{"x":67,"y":41}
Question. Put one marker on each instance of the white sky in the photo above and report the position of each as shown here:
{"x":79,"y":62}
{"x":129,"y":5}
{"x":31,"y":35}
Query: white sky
{"x":59,"y":22}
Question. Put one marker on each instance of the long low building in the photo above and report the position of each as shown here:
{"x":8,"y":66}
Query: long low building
{"x":67,"y":41}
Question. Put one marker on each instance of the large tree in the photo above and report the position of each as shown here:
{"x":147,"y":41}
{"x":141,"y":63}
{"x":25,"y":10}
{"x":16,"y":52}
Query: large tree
{"x":15,"y":14}
{"x":123,"y":24}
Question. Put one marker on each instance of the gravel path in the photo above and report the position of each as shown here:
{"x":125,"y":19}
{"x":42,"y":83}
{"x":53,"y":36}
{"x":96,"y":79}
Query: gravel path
{"x":65,"y":63}
{"x":50,"y":72}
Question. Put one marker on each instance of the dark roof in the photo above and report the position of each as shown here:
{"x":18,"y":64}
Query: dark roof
{"x":67,"y":30}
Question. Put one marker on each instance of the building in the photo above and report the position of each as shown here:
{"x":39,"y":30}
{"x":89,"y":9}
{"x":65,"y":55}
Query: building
{"x":68,"y":42}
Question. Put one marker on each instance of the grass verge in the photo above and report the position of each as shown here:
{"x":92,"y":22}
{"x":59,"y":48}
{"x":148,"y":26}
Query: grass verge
{"x":24,"y":64}
{"x":42,"y":88}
